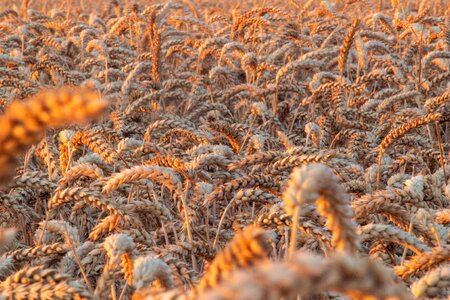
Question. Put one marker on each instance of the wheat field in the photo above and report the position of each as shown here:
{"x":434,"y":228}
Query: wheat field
{"x":241,"y":150}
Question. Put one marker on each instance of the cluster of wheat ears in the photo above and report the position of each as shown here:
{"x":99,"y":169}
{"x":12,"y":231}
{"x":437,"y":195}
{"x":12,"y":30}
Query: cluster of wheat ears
{"x":204,"y":150}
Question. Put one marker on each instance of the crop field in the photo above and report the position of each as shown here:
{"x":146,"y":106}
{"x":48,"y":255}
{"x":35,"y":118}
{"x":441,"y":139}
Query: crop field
{"x":225,"y":150}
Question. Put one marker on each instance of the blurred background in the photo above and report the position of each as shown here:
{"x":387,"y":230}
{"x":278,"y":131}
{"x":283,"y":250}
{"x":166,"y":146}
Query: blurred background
{"x":78,"y":6}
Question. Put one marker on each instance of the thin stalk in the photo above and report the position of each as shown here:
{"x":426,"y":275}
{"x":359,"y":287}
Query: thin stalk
{"x":293,"y":238}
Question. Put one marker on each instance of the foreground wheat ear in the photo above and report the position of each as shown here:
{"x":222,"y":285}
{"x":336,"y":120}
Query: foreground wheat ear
{"x":24,"y":122}
{"x":317,"y":183}
{"x":233,"y":149}
{"x":245,"y":250}
{"x":306,"y":274}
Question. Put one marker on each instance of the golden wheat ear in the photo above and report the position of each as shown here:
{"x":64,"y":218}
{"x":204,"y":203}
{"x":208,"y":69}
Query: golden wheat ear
{"x":316,"y":183}
{"x":307,"y":275}
{"x":23,"y":123}
{"x":246,"y":249}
